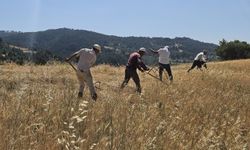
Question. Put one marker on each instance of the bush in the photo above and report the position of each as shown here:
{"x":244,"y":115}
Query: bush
{"x":42,"y":57}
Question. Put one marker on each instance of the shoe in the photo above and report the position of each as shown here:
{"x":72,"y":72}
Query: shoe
{"x":138,"y":90}
{"x":171,"y":78}
{"x":160,"y":77}
{"x":94,"y":96}
{"x":123,"y":85}
{"x":80,"y":94}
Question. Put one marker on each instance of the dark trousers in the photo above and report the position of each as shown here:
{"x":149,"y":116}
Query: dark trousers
{"x":198,"y":63}
{"x":131,"y":73}
{"x":167,"y":68}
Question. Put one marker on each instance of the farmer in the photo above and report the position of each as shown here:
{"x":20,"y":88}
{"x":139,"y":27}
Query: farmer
{"x":164,"y":62}
{"x":87,"y":58}
{"x":199,"y":60}
{"x":134,"y":62}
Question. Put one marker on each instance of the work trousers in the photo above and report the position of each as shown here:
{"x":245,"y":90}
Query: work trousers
{"x":167,"y":68}
{"x":198,"y":63}
{"x":131,"y":73}
{"x":85,"y":77}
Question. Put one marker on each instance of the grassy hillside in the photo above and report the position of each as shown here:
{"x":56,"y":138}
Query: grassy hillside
{"x":63,"y":42}
{"x":199,"y":110}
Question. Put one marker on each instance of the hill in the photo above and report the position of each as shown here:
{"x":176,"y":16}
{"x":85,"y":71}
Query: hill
{"x":10,"y":53}
{"x":24,"y":50}
{"x":63,"y":42}
{"x":199,"y":110}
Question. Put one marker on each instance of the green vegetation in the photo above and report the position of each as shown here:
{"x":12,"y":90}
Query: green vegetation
{"x":233,"y":50}
{"x":63,"y":42}
{"x":42,"y":57}
{"x":60,"y":43}
{"x":9,"y":54}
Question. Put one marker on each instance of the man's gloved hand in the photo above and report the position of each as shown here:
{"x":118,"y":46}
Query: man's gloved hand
{"x":141,"y":69}
{"x":147,"y":69}
{"x":67,"y":59}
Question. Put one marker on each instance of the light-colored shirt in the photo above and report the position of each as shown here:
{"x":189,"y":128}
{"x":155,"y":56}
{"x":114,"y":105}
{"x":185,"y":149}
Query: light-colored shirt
{"x":201,"y":57}
{"x":87,"y":58}
{"x":164,"y":54}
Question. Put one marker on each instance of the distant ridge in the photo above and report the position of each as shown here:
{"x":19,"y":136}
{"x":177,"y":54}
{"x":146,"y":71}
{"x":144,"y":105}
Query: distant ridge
{"x":64,"y":41}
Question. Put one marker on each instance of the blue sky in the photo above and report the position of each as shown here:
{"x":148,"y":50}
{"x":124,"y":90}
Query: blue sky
{"x":204,"y":20}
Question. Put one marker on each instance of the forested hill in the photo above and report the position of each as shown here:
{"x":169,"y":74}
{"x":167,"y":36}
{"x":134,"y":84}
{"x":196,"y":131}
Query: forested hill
{"x":63,"y":42}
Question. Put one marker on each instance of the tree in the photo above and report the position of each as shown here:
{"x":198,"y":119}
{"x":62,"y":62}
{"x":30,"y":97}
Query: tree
{"x":42,"y":57}
{"x":1,"y":42}
{"x":233,"y":50}
{"x":10,"y":54}
{"x":15,"y":55}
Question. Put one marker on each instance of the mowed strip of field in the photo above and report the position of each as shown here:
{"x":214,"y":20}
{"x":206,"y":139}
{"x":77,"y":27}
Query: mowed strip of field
{"x":208,"y":109}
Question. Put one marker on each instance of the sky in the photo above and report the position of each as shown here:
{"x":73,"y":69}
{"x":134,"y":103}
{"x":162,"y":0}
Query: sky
{"x":203,"y":20}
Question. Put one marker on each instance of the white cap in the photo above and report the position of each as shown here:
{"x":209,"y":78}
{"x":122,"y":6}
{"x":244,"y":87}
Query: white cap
{"x":142,"y":49}
{"x":165,"y":48}
{"x":97,"y":47}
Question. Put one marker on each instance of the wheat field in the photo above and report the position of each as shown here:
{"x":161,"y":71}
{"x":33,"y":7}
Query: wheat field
{"x":209,"y":109}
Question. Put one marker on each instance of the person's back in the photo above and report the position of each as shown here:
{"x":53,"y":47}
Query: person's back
{"x":200,"y":56}
{"x":164,"y":55}
{"x":87,"y":58}
{"x":133,"y":60}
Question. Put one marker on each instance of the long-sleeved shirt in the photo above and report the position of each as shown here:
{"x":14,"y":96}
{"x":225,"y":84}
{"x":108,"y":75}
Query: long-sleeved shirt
{"x":135,"y":61}
{"x":87,"y":58}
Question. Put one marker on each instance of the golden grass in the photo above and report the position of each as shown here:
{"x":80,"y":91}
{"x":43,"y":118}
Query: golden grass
{"x":199,"y":110}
